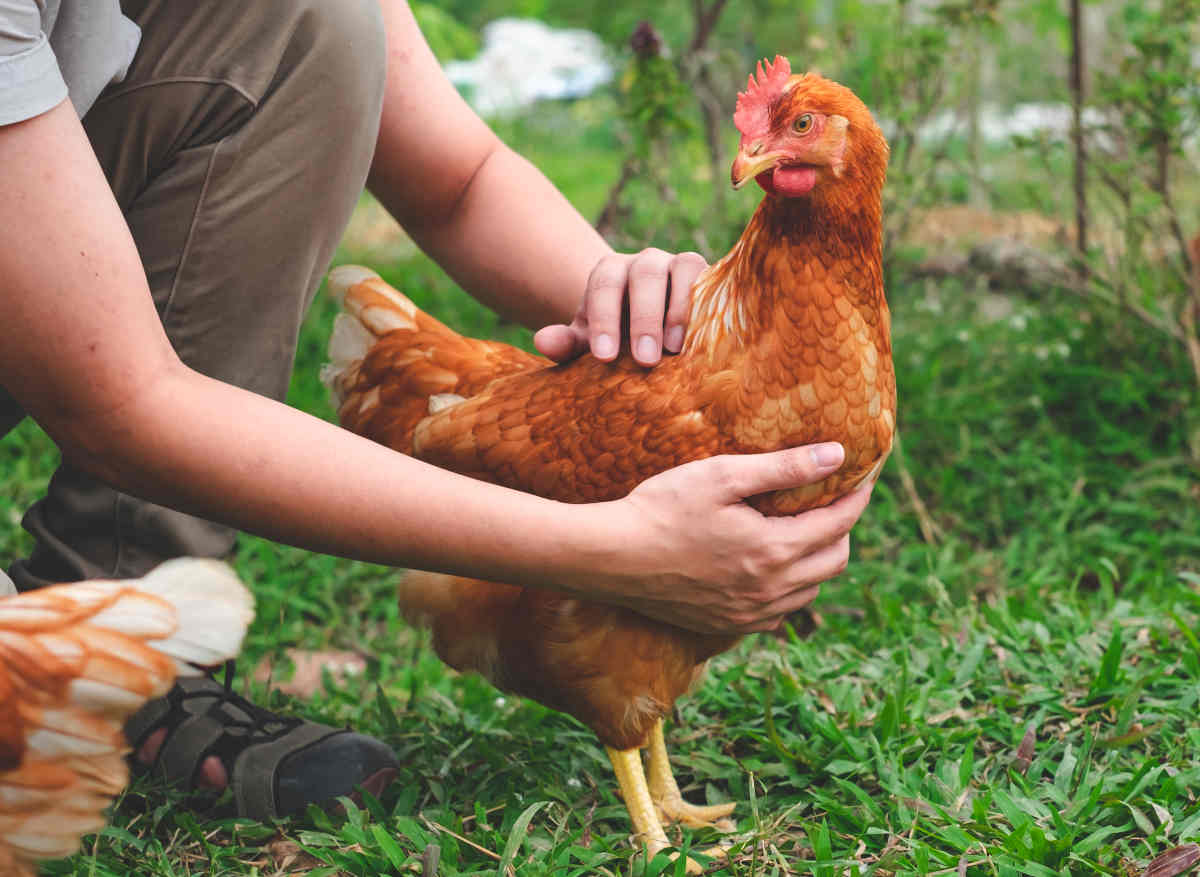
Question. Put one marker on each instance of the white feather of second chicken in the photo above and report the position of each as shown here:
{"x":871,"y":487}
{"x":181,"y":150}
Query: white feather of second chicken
{"x":194,"y":612}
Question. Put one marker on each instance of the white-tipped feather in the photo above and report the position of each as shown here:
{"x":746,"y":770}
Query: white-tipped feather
{"x":349,"y":342}
{"x":364,"y":319}
{"x":213,"y":609}
{"x":104,"y":697}
{"x":379,"y":320}
{"x":442,"y":401}
{"x":66,"y":648}
{"x":80,"y":659}
{"x":137,"y":616}
{"x":55,"y":744}
{"x":14,"y":797}
{"x":348,"y":345}
{"x":50,"y":839}
{"x":343,"y":277}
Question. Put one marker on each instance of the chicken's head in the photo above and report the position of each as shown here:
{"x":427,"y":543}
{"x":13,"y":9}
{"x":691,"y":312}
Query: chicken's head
{"x":803,"y":134}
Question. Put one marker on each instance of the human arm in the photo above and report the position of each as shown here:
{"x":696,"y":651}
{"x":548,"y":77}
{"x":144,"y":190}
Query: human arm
{"x":502,"y":230}
{"x":86,"y":356}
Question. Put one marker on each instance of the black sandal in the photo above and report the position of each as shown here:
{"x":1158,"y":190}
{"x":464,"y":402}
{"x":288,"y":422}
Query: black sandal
{"x":276,"y":766}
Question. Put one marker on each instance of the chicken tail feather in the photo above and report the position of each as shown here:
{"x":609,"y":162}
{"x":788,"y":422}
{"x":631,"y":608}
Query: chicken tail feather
{"x":76,"y":661}
{"x":370,"y":309}
{"x":213,"y":608}
{"x":391,"y":364}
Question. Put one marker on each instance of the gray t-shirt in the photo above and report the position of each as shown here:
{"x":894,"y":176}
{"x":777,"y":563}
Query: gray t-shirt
{"x":52,"y":48}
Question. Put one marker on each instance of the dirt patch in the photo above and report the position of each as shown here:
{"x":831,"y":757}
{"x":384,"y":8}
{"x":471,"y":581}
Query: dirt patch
{"x":958,"y":226}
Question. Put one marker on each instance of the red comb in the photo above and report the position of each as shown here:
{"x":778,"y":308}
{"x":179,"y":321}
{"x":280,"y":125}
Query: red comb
{"x":751,"y":115}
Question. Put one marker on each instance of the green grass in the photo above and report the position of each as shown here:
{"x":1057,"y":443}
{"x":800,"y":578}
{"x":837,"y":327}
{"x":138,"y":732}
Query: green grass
{"x":1057,"y":602}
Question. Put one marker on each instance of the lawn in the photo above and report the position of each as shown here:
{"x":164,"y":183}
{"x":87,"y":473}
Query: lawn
{"x":1005,"y":681}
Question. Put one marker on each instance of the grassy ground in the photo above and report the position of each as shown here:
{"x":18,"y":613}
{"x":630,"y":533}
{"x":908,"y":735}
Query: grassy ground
{"x":1006,"y":680}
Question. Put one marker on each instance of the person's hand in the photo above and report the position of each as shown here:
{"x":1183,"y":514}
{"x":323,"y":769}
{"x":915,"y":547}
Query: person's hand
{"x":718,"y":566}
{"x":658,"y":288}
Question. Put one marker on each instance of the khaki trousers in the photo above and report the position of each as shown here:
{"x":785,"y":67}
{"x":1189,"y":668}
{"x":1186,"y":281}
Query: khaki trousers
{"x":237,"y":148}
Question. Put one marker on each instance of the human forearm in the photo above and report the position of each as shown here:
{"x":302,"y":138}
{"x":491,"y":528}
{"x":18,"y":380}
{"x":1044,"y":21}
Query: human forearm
{"x":211,"y":449}
{"x":508,"y":219}
{"x":488,"y":216}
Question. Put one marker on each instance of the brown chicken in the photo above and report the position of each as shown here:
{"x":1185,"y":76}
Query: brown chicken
{"x":788,"y":343}
{"x":75,"y":662}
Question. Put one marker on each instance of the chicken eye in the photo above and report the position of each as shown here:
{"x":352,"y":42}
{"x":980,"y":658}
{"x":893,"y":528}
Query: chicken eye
{"x":803,"y":124}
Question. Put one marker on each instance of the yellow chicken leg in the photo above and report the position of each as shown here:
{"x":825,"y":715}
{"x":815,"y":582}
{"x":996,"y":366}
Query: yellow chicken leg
{"x":664,"y":791}
{"x":631,"y":777}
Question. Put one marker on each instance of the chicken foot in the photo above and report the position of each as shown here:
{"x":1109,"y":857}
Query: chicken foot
{"x":664,"y":791}
{"x":647,"y":828}
{"x":657,"y":800}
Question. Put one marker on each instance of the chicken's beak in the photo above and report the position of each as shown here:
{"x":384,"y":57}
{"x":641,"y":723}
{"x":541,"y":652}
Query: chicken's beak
{"x":747,"y":166}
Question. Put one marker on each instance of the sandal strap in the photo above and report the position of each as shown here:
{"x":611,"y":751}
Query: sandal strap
{"x":253,"y":779}
{"x":146,"y":721}
{"x":187,"y":746}
{"x":191,"y":696}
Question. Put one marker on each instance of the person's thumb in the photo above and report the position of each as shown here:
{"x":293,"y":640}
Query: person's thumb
{"x":558,"y":342}
{"x":738,"y":476}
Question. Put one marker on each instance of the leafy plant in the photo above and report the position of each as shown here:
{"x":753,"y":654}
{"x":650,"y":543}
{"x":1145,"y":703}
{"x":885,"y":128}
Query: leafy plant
{"x":1150,"y":103}
{"x":448,"y":38}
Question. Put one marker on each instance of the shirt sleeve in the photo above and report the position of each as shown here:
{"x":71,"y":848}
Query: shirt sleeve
{"x":30,"y":80}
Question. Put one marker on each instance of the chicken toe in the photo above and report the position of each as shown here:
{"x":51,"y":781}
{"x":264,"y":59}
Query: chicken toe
{"x":668,"y":800}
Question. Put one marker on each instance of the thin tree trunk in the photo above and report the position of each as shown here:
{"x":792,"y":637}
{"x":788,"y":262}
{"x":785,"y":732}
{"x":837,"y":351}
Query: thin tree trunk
{"x":609,"y":217}
{"x":1077,"y":78}
{"x":702,"y":84}
{"x":976,"y":196}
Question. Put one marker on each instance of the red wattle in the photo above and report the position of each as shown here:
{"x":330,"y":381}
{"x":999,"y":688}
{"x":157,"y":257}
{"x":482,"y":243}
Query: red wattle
{"x":788,"y":181}
{"x":794,"y":181}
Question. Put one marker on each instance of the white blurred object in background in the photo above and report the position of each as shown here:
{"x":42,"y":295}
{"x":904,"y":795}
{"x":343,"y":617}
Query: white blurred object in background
{"x":524,"y":60}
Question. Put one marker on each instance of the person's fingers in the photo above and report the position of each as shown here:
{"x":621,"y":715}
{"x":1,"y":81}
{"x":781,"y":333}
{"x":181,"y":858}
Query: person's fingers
{"x":819,"y":566}
{"x":824,"y":526}
{"x":796,"y":601}
{"x":559,"y":342}
{"x":685,"y":268}
{"x":605,"y":298}
{"x":649,"y":273}
{"x":770,"y":616}
{"x":804,"y":584}
{"x":737,"y":476}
